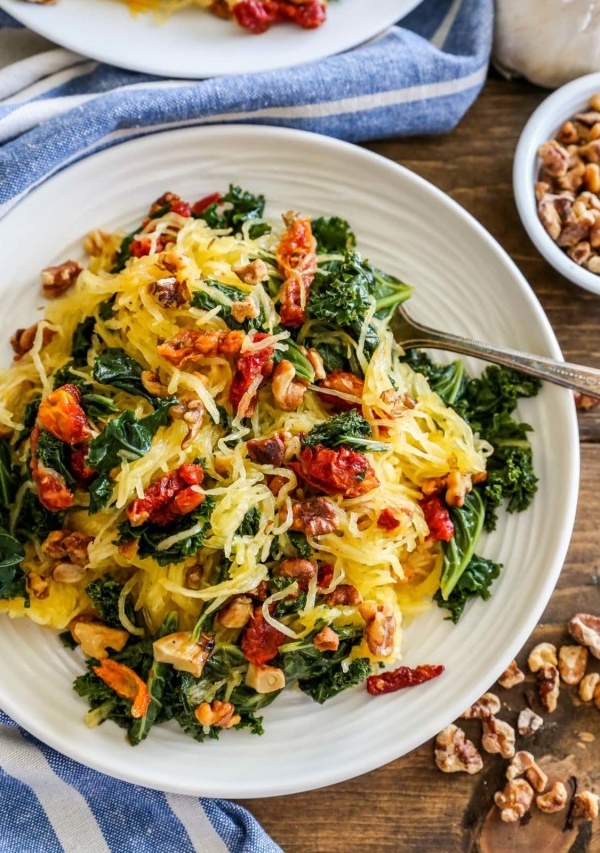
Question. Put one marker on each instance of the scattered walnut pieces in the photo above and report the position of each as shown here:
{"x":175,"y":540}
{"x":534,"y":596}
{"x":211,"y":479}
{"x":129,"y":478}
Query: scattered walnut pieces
{"x":554,"y":800}
{"x":523,"y":764}
{"x":541,"y":655}
{"x":515,"y":800}
{"x":498,"y":736}
{"x":511,"y":676}
{"x":585,"y":628}
{"x":572,"y":661}
{"x":585,"y":805}
{"x":529,"y":722}
{"x":486,"y":706}
{"x":568,"y":187}
{"x":455,"y":753}
{"x":588,"y":685}
{"x":548,"y":686}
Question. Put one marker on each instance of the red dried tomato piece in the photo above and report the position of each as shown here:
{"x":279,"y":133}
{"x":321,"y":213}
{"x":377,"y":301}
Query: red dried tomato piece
{"x":387,"y":520}
{"x":255,"y":16}
{"x":437,"y":518}
{"x":309,"y":16}
{"x":297,"y":262}
{"x":250,"y":365}
{"x":126,"y":683}
{"x":261,"y":641}
{"x":171,"y":496}
{"x":52,"y":490}
{"x":200,"y":206}
{"x":404,"y":676}
{"x":61,"y":414}
{"x":78,"y":464}
{"x":336,"y":472}
{"x":324,"y":576}
{"x":346,"y":383}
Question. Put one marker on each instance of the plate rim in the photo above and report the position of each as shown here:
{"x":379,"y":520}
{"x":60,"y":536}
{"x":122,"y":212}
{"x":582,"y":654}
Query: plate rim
{"x":333,"y":774}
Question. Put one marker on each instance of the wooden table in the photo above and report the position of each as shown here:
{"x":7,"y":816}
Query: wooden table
{"x":409,"y":806}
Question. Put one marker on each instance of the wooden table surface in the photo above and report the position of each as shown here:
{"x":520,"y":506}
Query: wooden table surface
{"x":409,"y":806}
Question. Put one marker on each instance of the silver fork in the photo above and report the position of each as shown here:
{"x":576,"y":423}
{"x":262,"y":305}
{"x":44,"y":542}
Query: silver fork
{"x":410,"y":334}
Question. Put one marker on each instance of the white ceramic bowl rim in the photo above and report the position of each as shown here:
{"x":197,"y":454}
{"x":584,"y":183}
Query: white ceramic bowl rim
{"x":543,"y":125}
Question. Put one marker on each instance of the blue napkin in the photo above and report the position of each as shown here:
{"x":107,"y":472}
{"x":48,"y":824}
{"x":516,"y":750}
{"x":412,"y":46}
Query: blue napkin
{"x":57,"y":107}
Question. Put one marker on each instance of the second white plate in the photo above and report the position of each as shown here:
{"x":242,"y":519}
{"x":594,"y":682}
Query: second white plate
{"x":193,"y":43}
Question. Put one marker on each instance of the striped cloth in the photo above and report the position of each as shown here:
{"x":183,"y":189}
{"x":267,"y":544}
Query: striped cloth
{"x":57,"y":107}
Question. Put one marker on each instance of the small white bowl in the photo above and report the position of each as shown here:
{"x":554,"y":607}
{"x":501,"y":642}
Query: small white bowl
{"x":543,"y":125}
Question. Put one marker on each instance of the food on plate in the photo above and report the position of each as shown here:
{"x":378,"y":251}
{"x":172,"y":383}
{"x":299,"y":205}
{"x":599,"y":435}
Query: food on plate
{"x":257,"y":16}
{"x":220,"y":476}
{"x":568,"y":189}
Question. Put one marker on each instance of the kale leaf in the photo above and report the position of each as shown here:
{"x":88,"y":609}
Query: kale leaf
{"x":34,"y":521}
{"x":52,"y":453}
{"x":333,"y":235}
{"x":300,"y":543}
{"x":250,"y":523}
{"x":468,"y":524}
{"x":114,"y":367}
{"x":150,"y":536}
{"x":475,"y":581}
{"x":125,"y":437}
{"x":347,"y":429}
{"x":291,"y":352}
{"x":12,"y":577}
{"x":447,"y":380}
{"x":104,"y":594}
{"x":236,"y":207}
{"x":337,"y":680}
{"x":82,"y":340}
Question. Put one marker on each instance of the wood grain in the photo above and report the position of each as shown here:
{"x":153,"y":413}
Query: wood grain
{"x":409,"y":806}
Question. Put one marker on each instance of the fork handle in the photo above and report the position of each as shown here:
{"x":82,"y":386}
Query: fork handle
{"x":574,"y":376}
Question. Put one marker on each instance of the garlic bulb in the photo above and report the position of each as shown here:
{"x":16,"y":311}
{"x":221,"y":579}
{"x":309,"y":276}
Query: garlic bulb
{"x":549,"y":42}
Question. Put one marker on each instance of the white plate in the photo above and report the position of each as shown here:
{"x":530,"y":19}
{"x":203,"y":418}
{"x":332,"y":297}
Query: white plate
{"x":465,"y":282}
{"x":192,"y":43}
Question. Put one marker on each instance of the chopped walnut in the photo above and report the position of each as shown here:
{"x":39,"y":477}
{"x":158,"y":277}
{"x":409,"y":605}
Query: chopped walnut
{"x":523,"y":764}
{"x":486,"y":706}
{"x":61,"y":544}
{"x":267,"y":451}
{"x":498,"y":736}
{"x":299,"y":569}
{"x":37,"y":586}
{"x":95,"y":241}
{"x":455,"y":753}
{"x":380,"y":628}
{"x":95,"y":638}
{"x":588,"y":685}
{"x":583,"y":402}
{"x":170,"y":293}
{"x":252,"y":273}
{"x":217,"y":713}
{"x":554,"y":800}
{"x":555,"y":158}
{"x":572,"y":661}
{"x":316,"y":362}
{"x":55,"y":280}
{"x":191,"y":411}
{"x":511,"y":676}
{"x":548,"y":686}
{"x":515,"y":800}
{"x":541,"y":655}
{"x":183,"y":652}
{"x":529,"y":722}
{"x":153,"y":385}
{"x":237,"y":612}
{"x":585,"y":628}
{"x":344,"y":595}
{"x":326,"y":640}
{"x":585,"y":805}
{"x":245,"y":309}
{"x":67,"y":573}
{"x":23,"y":339}
{"x":315,"y":517}
{"x":287,"y":392}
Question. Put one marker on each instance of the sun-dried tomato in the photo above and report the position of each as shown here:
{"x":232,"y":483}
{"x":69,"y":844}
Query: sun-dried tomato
{"x":387,"y":520}
{"x":200,"y":206}
{"x":404,"y":676}
{"x":260,"y":640}
{"x":142,"y":245}
{"x":336,"y":472}
{"x":126,"y":683}
{"x":254,"y":15}
{"x":325,"y":576}
{"x":81,"y":471}
{"x":250,"y":365}
{"x":258,"y":16}
{"x":171,"y":496}
{"x":192,"y":345}
{"x":307,"y":15}
{"x":438,"y":518}
{"x":52,"y":490}
{"x":61,"y":414}
{"x":297,"y":262}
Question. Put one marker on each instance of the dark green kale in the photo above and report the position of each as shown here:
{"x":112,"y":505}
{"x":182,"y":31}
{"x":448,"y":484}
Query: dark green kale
{"x":236,"y":207}
{"x":34,"y":521}
{"x":125,"y":437}
{"x":104,"y":594}
{"x":447,"y":380}
{"x":82,"y":340}
{"x":334,"y":353}
{"x":8,"y":482}
{"x":336,"y":680}
{"x":53,"y":453}
{"x":474,"y":582}
{"x":291,"y":352}
{"x":348,"y":429}
{"x":29,"y":417}
{"x":300,"y":543}
{"x":468,"y":524}
{"x":124,"y":252}
{"x":12,"y":577}
{"x":250,"y":524}
{"x":208,"y":301}
{"x":115,"y":368}
{"x":333,"y":235}
{"x":343,"y":292}
{"x":157,"y":687}
{"x":151,"y":536}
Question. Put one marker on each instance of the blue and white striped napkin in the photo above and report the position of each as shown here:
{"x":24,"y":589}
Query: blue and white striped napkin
{"x":57,"y":107}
